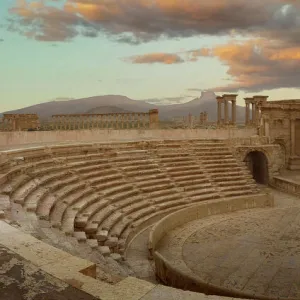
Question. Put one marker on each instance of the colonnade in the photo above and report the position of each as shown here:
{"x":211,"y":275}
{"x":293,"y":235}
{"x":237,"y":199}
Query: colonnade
{"x":224,"y":101}
{"x":114,"y":121}
{"x":255,"y":102}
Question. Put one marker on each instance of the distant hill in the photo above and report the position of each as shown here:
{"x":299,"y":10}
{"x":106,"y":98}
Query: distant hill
{"x":107,"y":110}
{"x":118,"y":103}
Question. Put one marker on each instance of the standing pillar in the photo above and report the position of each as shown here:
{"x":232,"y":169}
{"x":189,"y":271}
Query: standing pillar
{"x":292,"y":129}
{"x":233,"y":112}
{"x":247,"y":113}
{"x":219,"y":102}
{"x":253,"y":113}
{"x":266,"y":127}
{"x":153,"y":119}
{"x":225,"y":111}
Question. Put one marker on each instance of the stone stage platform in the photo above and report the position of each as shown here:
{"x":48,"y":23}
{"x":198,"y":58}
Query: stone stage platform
{"x":256,"y":252}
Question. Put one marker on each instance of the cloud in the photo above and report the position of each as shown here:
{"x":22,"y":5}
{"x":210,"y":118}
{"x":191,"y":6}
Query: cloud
{"x":163,"y":58}
{"x":169,"y":100}
{"x":257,"y":65}
{"x":1,"y":40}
{"x":138,"y":21}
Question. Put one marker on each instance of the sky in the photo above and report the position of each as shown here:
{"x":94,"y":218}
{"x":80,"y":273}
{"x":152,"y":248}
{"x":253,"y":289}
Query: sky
{"x":166,"y":50}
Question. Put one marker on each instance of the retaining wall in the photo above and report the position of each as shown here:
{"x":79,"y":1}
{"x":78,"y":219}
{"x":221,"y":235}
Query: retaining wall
{"x":15,"y":138}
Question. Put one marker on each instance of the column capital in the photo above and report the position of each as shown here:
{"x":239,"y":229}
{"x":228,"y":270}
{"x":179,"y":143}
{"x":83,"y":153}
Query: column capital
{"x":219,"y":98}
{"x":230,"y":97}
{"x":248,"y":100}
{"x":260,"y":99}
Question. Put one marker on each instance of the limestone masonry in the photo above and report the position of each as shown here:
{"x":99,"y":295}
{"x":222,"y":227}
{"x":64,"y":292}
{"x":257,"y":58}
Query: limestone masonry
{"x":112,"y":205}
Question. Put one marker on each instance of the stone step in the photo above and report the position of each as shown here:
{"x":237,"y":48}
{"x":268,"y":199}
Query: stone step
{"x":21,"y":187}
{"x":89,"y":208}
{"x":233,"y":182}
{"x":190,"y":168}
{"x":142,"y":212}
{"x":118,"y":228}
{"x":150,"y":177}
{"x":69,"y":219}
{"x":56,"y":214}
{"x":170,"y":204}
{"x":102,"y":179}
{"x":230,"y":174}
{"x":166,"y":198}
{"x":100,"y":217}
{"x":100,"y":186}
{"x":199,"y":198}
{"x":69,"y":190}
{"x":111,"y":220}
{"x":116,"y":190}
{"x":103,"y":168}
{"x":220,"y":165}
{"x":87,"y":164}
{"x":131,"y":152}
{"x":81,"y":157}
{"x":225,"y":169}
{"x":186,"y":173}
{"x":129,"y":209}
{"x":196,"y":187}
{"x":162,"y":193}
{"x":124,"y":196}
{"x":242,"y":187}
{"x":139,"y":167}
{"x":179,"y":164}
{"x":192,"y":182}
{"x":143,"y":172}
{"x":130,"y":161}
{"x":237,"y":193}
{"x":45,"y":171}
{"x":158,"y":187}
{"x":216,"y":157}
{"x":97,"y":173}
{"x":200,"y":192}
{"x":174,"y":159}
{"x":202,"y":153}
{"x":153,"y":182}
{"x":171,"y":154}
{"x":46,"y":179}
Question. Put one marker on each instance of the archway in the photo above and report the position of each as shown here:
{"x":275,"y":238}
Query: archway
{"x":257,"y":163}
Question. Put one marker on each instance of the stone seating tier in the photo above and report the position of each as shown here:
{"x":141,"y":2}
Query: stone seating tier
{"x":103,"y":194}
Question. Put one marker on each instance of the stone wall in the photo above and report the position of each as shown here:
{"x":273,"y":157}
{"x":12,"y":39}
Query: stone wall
{"x":15,"y":139}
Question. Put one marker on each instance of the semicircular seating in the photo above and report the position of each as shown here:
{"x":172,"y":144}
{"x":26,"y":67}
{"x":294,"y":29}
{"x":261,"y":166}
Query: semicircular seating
{"x":104,"y":194}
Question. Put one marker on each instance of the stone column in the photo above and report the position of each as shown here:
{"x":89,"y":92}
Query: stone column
{"x":253,"y":113}
{"x":219,"y":102}
{"x":247,"y":113}
{"x":293,"y":138}
{"x":153,"y":119}
{"x":225,"y":111}
{"x":233,"y":112}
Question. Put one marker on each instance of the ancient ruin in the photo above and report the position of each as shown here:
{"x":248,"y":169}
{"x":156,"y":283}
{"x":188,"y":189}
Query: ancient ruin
{"x":112,"y":206}
{"x":18,"y":122}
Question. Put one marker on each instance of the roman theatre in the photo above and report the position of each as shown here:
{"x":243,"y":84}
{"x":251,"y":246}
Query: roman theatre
{"x":113,"y":206}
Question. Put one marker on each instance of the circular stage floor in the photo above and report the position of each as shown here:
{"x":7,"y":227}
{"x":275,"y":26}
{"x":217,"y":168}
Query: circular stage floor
{"x":255,"y":251}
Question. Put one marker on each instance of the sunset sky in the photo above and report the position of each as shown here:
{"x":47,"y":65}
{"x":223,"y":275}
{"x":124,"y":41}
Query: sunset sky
{"x":147,"y":49}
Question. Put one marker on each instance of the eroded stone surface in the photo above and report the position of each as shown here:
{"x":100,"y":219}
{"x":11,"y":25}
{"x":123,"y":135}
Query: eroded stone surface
{"x":20,"y":280}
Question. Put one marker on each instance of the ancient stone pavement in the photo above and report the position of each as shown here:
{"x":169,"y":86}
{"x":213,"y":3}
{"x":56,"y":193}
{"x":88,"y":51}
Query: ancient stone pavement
{"x":255,"y":251}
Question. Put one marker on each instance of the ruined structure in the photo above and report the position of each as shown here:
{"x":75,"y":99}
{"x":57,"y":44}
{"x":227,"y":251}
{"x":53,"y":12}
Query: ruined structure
{"x":281,"y":123}
{"x":203,"y":118}
{"x":98,"y":208}
{"x":17,"y":122}
{"x":114,"y":121}
{"x":256,"y":102}
{"x":223,"y":101}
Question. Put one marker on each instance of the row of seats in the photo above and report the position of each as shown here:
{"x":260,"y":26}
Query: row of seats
{"x":104,"y":194}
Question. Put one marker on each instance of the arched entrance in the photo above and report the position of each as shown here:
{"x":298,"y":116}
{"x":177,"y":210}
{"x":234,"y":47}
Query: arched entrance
{"x":257,"y":163}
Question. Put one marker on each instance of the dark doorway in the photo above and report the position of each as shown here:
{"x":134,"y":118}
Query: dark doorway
{"x":257,"y":163}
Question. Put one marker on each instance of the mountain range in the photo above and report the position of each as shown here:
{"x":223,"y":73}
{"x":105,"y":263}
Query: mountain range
{"x":118,"y":103}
